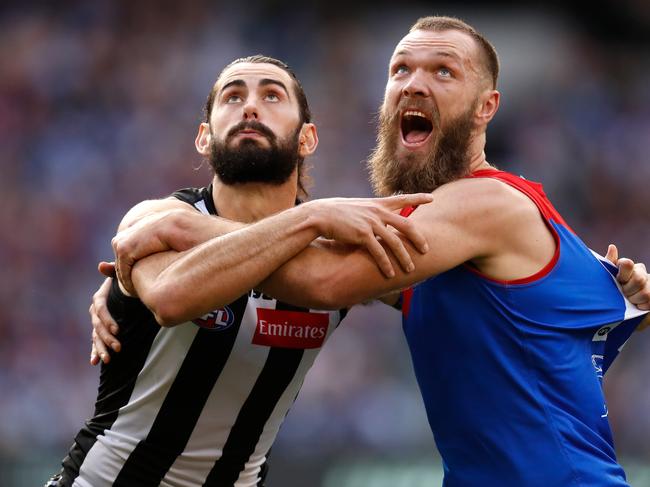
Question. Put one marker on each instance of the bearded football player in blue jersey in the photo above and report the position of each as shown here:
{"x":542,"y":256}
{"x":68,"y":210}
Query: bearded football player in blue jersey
{"x":511,"y":321}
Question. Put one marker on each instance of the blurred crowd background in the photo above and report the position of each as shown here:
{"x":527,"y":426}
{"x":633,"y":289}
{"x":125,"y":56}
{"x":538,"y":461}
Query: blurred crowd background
{"x":99,"y":105}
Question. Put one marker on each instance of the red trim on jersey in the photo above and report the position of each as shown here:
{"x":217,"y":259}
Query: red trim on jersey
{"x":407,"y":295}
{"x":407,"y":210}
{"x":535,"y":192}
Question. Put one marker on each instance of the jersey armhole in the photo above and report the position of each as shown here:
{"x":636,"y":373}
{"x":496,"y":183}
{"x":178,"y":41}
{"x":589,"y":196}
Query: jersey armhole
{"x":550,"y":265}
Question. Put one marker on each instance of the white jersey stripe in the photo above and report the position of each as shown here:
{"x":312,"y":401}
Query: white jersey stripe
{"x":238,"y":378}
{"x":107,"y":456}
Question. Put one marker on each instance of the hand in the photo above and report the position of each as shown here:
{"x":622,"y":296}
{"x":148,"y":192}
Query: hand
{"x":634,"y":282}
{"x":153,"y":233}
{"x":365,"y":221}
{"x":104,"y":326}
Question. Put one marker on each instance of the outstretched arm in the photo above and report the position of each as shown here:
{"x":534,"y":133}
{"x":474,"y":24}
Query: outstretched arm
{"x":458,"y":229}
{"x":458,"y":232}
{"x":178,"y":287}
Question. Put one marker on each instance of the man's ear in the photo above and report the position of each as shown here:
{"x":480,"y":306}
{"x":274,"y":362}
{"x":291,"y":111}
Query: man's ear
{"x":203,"y":139}
{"x":308,"y":140}
{"x":487,"y":107}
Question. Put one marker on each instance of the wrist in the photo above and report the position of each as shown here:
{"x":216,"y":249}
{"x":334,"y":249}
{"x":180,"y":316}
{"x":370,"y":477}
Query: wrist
{"x":312,"y":215}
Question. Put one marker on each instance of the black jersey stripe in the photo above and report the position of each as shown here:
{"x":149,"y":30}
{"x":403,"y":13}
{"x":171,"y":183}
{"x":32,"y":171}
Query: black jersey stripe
{"x":278,"y":371}
{"x":182,"y":407}
{"x":138,"y":329}
{"x":343,"y":312}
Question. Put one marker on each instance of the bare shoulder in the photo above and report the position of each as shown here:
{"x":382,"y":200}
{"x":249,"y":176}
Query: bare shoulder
{"x":483,"y":216}
{"x":480,"y":201}
{"x":148,"y":207}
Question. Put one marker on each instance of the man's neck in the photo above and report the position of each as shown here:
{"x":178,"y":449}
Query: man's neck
{"x":250,"y":202}
{"x":476,"y":153}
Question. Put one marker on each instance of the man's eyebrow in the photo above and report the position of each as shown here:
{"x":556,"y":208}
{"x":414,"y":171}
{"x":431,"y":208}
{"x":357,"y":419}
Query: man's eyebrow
{"x":448,"y":54}
{"x":235,"y":82}
{"x":406,"y":52}
{"x":269,"y":81}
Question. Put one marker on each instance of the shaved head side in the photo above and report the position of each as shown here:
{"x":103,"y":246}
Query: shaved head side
{"x":489,"y":57}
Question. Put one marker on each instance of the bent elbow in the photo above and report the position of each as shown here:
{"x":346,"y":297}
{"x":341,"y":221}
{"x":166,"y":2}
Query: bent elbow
{"x":166,"y":319}
{"x":164,"y":307}
{"x":328,"y":292}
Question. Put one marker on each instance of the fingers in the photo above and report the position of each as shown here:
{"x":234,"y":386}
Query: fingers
{"x":94,"y":356}
{"x":636,"y":283}
{"x":408,"y":229}
{"x":123,"y":268}
{"x":612,"y":254}
{"x":401,"y":200}
{"x":106,"y":268}
{"x":396,"y":246}
{"x":124,"y":261}
{"x":625,"y":269}
{"x":381,"y":257}
{"x":99,"y":351}
{"x":103,"y":323}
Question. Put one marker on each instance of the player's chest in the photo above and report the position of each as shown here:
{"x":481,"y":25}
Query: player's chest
{"x":260,"y":322}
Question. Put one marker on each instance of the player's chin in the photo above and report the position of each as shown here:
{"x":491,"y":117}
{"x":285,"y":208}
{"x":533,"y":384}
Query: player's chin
{"x":409,"y":156}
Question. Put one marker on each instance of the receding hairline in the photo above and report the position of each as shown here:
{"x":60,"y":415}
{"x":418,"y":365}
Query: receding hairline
{"x":487,"y":54}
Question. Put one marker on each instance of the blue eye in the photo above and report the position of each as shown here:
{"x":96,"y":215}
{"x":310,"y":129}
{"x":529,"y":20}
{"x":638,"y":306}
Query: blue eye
{"x":401,"y":69}
{"x":272,"y":97}
{"x":444,"y":72}
{"x":233,"y":99}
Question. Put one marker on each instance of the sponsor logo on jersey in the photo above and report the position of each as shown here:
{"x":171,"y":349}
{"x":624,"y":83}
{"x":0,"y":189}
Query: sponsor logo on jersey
{"x":290,"y":329}
{"x":603,"y":332}
{"x":217,"y":320}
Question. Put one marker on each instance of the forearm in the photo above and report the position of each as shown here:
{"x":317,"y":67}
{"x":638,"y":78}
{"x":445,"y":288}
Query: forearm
{"x":181,"y":286}
{"x":189,"y":233}
{"x":330,"y":277}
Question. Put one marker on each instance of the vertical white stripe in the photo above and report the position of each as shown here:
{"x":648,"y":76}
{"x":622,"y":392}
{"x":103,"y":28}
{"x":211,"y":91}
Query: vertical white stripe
{"x":111,"y":450}
{"x":272,"y":426}
{"x":220,"y":412}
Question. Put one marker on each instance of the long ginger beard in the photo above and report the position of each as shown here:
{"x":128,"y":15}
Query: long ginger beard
{"x":447,"y":161}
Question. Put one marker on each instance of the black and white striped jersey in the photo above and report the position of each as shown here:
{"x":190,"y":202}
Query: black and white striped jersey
{"x":199,"y":403}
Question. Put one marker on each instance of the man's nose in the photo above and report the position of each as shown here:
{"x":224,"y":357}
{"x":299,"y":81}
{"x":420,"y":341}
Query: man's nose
{"x":250,"y":110}
{"x":416,"y":85}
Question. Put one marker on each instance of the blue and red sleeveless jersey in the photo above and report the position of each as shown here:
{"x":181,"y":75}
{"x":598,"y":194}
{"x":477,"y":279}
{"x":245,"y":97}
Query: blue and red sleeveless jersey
{"x":511,"y":371}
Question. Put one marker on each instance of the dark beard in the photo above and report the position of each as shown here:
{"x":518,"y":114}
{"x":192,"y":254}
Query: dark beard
{"x":447,"y":161}
{"x":250,"y":163}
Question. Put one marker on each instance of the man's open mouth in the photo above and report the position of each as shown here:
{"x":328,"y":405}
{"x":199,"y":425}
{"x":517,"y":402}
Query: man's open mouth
{"x":416,"y":128}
